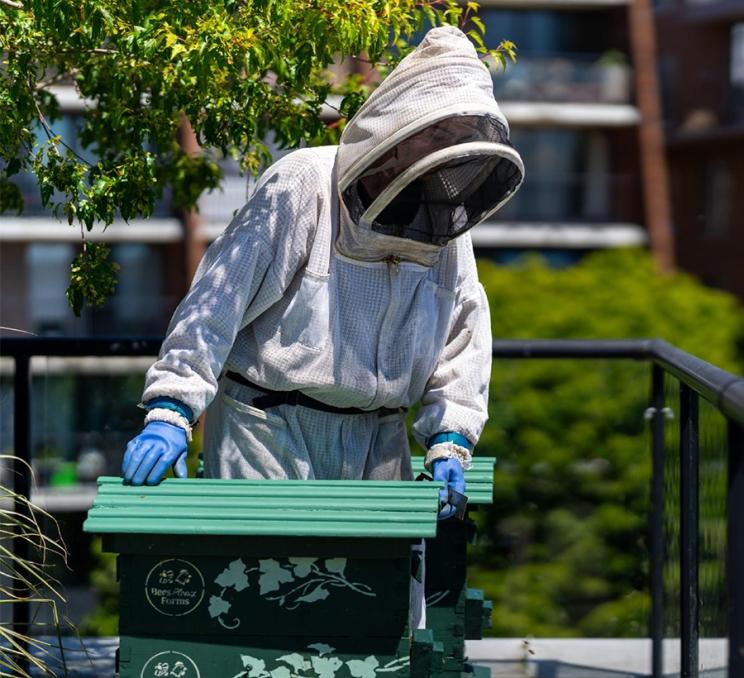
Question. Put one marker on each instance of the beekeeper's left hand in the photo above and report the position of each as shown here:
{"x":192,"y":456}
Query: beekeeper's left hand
{"x":450,"y":471}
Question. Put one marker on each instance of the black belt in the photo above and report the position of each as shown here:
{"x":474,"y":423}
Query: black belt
{"x":274,"y":398}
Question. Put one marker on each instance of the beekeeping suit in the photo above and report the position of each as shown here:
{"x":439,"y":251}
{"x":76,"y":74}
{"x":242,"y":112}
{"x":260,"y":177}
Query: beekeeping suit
{"x":348,"y":280}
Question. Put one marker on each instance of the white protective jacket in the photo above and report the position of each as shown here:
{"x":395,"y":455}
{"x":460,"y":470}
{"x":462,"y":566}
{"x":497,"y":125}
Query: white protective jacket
{"x":349,"y":275}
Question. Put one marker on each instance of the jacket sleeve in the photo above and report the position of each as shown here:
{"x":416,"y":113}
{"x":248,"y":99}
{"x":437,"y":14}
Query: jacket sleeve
{"x":241,"y":274}
{"x":456,"y":396}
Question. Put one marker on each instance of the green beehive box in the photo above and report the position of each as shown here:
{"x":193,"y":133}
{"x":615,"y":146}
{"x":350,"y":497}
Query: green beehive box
{"x":455,"y":612}
{"x":233,"y":573}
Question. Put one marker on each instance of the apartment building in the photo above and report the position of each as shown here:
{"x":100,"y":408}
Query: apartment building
{"x":702,"y":65}
{"x":571,"y":106}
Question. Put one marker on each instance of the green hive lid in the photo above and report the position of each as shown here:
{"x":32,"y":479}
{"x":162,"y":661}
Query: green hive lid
{"x":287,"y":508}
{"x":478,"y":478}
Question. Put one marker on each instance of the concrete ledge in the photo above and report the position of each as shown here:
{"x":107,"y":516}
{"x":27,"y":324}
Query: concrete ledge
{"x":587,"y":657}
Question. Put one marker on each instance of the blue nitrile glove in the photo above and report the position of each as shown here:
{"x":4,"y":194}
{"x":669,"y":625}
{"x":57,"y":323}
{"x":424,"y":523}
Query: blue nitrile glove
{"x":149,"y":456}
{"x":450,"y":471}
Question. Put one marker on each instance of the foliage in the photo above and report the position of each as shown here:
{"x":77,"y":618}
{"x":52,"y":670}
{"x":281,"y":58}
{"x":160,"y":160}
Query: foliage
{"x":26,"y":580}
{"x":103,"y":620}
{"x":91,"y":277}
{"x":235,"y":70}
{"x":566,"y":539}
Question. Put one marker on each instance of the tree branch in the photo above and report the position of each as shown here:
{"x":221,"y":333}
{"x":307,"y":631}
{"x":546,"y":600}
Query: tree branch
{"x":50,"y":133}
{"x":57,"y":78}
{"x":12,"y":3}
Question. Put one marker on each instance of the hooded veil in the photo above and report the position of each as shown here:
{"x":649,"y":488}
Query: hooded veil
{"x":427,"y":157}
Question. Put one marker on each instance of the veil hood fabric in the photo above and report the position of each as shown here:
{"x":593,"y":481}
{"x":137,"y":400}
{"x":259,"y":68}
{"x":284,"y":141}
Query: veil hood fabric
{"x":433,"y":142}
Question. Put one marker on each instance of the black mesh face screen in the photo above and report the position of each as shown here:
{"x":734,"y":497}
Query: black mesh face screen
{"x":447,"y":201}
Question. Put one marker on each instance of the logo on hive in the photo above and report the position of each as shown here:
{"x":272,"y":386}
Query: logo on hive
{"x":174,"y":587}
{"x":170,"y":665}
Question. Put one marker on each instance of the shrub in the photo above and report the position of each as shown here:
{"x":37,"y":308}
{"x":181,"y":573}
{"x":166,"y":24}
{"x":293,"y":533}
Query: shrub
{"x":565,"y":542}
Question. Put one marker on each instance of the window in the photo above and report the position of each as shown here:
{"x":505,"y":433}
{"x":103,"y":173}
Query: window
{"x":568,"y":177}
{"x":736,"y":72}
{"x":718,"y":190}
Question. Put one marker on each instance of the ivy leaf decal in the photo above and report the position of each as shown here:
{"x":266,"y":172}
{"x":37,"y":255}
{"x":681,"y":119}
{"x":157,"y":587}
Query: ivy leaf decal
{"x":326,"y":667}
{"x":233,"y":576}
{"x":272,"y":575}
{"x":316,"y":594}
{"x":218,"y":606}
{"x":296,"y":661}
{"x":335,"y":565}
{"x":321,"y":648}
{"x":363,"y":668}
{"x":302,"y":566}
{"x":256,"y":667}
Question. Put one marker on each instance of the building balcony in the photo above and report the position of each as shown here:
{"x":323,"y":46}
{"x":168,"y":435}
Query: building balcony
{"x":566,"y":79}
{"x":575,"y":198}
{"x":714,"y":10}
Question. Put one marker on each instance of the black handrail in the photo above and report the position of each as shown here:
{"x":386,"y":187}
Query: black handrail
{"x":722,"y":389}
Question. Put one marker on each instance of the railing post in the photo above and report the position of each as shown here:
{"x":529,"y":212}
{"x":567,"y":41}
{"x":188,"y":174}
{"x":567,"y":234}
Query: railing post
{"x":21,"y":477}
{"x":657,"y":521}
{"x":689,"y":458}
{"x":735,"y":564}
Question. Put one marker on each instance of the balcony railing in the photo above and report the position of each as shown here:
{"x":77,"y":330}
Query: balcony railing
{"x":576,"y":198}
{"x":565,"y":79}
{"x":697,"y":381}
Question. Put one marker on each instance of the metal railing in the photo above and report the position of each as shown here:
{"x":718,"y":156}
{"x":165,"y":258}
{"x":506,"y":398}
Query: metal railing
{"x":725,"y":391}
{"x":698,"y":379}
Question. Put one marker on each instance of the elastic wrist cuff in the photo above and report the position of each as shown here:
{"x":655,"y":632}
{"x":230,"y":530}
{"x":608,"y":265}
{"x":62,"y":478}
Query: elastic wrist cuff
{"x":449,"y":437}
{"x":448,"y":450}
{"x":169,"y":417}
{"x":167,"y":403}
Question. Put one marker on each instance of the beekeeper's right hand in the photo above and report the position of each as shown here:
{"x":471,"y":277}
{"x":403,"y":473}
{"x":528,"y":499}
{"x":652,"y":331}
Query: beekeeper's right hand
{"x":150,"y":454}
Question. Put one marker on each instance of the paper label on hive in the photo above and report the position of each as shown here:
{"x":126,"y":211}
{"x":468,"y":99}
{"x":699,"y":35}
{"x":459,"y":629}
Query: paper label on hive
{"x":170,"y":665}
{"x":174,"y":587}
{"x":287,"y":582}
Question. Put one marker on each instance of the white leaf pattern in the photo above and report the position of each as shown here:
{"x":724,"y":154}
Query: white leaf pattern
{"x":302,"y":566}
{"x":335,"y":565}
{"x":218,"y":606}
{"x":234,"y":575}
{"x":363,"y":668}
{"x":322,"y":648}
{"x":272,"y":576}
{"x":326,"y":667}
{"x":296,"y":661}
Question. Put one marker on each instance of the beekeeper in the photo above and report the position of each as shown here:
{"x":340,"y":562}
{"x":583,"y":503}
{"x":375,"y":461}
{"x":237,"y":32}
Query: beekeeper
{"x":344,"y":292}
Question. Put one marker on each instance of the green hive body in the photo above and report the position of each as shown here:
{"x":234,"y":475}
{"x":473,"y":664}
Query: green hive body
{"x":454,"y":612}
{"x":273,"y":579}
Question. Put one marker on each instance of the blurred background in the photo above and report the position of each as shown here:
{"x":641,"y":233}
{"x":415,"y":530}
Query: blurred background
{"x":630,"y":119}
